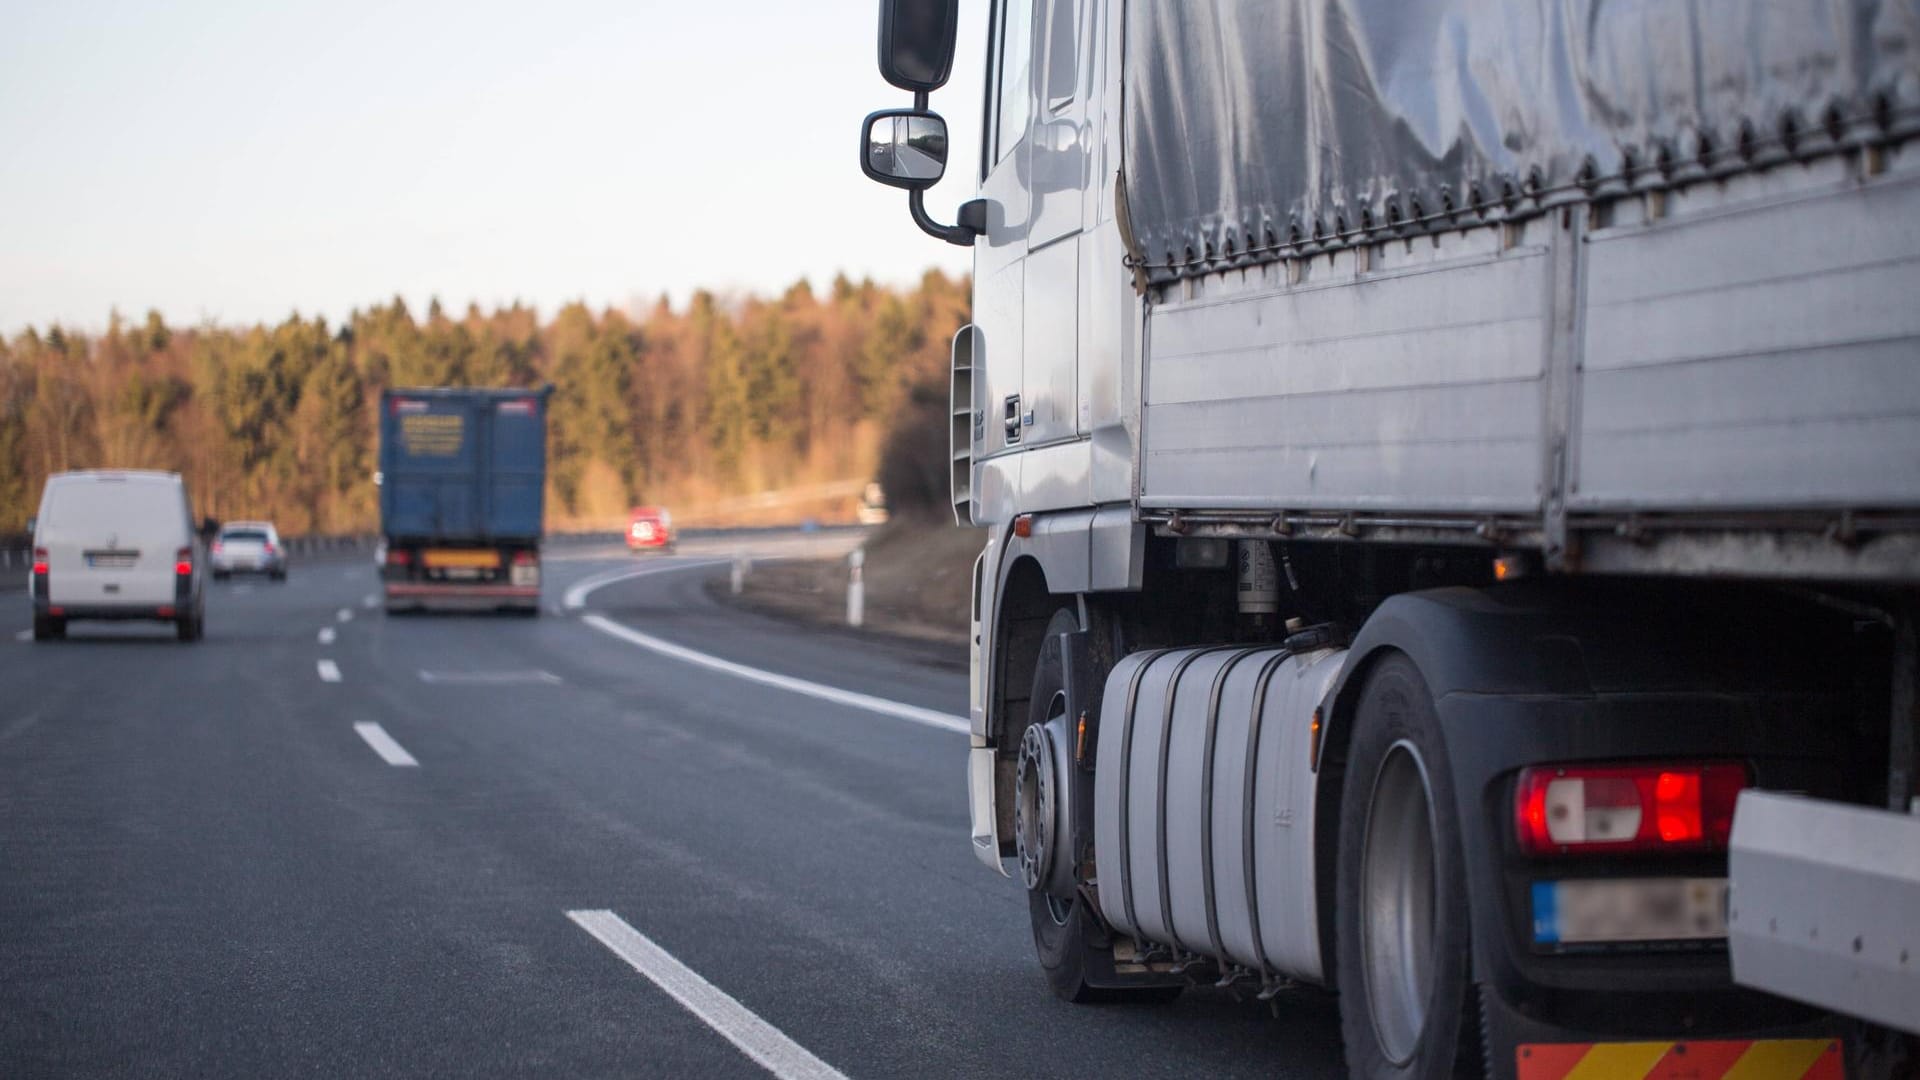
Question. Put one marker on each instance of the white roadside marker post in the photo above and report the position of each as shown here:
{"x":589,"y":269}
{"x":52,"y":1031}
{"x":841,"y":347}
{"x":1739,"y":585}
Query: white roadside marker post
{"x":741,"y":565}
{"x":856,"y":589}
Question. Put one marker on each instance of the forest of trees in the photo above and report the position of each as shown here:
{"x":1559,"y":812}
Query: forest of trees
{"x":683,"y":407}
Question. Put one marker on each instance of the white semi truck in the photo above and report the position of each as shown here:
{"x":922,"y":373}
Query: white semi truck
{"x":1451,"y":481}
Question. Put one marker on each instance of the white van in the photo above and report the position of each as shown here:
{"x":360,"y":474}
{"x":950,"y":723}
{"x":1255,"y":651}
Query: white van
{"x":116,"y":544}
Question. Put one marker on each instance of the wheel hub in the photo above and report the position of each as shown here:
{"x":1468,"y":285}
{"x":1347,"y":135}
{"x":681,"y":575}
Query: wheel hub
{"x":1397,"y":894}
{"x":1034,"y":799}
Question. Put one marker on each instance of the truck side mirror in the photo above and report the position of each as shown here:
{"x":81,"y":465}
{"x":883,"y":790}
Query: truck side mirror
{"x":916,"y":43}
{"x":904,"y":148}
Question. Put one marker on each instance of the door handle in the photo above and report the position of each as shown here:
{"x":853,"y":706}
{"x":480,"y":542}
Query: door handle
{"x":1012,"y":419}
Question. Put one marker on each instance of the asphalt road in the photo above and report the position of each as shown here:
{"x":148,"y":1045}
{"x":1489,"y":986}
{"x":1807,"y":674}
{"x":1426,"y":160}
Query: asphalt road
{"x":593,"y":857}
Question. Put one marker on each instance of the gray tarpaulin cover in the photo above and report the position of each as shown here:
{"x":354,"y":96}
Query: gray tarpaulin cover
{"x":1255,"y":125}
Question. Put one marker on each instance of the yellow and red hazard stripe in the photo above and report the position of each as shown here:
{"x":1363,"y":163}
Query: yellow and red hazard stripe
{"x":1728,"y":1059}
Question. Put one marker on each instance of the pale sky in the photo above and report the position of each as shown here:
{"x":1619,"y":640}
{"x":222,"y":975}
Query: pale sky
{"x":239,"y":161}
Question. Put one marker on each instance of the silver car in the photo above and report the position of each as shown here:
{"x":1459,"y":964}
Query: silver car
{"x":248,"y":547}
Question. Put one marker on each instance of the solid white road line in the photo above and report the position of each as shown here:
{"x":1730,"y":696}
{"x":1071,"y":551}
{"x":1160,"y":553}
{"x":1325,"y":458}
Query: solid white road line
{"x":329,"y":671}
{"x":392,"y":752}
{"x":345,"y":614}
{"x":576,"y":597}
{"x":326,"y":635}
{"x":767,"y":1045}
{"x":899,"y":710}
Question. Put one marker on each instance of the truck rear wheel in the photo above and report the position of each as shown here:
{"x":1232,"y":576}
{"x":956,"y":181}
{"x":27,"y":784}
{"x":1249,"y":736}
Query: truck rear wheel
{"x":1067,"y":935}
{"x":1404,"y":920}
{"x":48,"y":628}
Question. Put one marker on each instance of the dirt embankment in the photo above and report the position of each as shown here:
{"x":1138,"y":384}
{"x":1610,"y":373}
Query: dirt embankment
{"x":918,"y":576}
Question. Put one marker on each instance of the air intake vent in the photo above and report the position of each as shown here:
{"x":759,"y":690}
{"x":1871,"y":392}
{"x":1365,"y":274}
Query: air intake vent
{"x":963,"y":429}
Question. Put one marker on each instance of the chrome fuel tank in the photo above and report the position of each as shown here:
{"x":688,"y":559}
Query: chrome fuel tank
{"x":1203,"y":802}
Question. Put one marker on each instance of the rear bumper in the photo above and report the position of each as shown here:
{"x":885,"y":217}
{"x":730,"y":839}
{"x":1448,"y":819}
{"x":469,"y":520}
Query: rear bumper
{"x":264,"y":566}
{"x":106,"y":612}
{"x":461,"y":595}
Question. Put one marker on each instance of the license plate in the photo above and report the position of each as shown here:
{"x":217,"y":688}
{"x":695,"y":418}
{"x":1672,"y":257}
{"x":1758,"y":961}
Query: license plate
{"x":449,"y":558}
{"x":1641,"y":909}
{"x":526,"y":575}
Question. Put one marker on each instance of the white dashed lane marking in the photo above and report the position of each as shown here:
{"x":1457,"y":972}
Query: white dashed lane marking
{"x":391,"y":752}
{"x":489,"y":678}
{"x":329,"y":671}
{"x":767,"y":1045}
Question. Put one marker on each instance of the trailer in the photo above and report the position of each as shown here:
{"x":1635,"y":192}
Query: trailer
{"x":462,"y":490}
{"x":1451,"y":487}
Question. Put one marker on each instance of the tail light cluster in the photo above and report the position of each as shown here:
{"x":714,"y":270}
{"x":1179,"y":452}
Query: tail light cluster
{"x":525,"y":558}
{"x":398,"y":557}
{"x":183,"y":562}
{"x":40,"y":562}
{"x":1603,"y":809}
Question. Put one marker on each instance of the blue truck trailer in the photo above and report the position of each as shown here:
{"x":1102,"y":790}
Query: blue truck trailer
{"x":462,"y":485}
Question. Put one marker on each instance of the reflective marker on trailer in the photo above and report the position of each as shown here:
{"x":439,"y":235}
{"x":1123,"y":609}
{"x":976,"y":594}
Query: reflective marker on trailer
{"x":1720,"y":1059}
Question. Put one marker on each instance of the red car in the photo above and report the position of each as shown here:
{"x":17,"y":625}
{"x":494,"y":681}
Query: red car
{"x":650,"y":528}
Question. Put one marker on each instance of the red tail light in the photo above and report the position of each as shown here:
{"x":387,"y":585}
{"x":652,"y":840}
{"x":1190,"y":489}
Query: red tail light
{"x":39,"y":560}
{"x":269,"y":548}
{"x":398,"y":557}
{"x":1601,"y":809}
{"x":525,"y":558}
{"x":183,"y":561}
{"x":216,"y":547}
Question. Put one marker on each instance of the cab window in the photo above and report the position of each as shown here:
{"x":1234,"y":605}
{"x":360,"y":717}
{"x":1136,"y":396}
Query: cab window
{"x":1061,"y":26}
{"x":1014,"y":53}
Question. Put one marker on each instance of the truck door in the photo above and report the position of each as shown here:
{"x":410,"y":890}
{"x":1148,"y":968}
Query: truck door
{"x":1058,"y":178}
{"x":999,"y":256}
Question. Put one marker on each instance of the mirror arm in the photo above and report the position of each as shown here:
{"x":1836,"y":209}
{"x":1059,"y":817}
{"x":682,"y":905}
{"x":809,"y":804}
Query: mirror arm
{"x":972,"y":220}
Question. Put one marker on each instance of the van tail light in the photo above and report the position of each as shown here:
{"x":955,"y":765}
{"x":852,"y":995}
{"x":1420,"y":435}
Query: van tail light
{"x":398,"y":557}
{"x":183,"y":561}
{"x":1602,"y":809}
{"x":40,"y":561}
{"x":525,"y":558}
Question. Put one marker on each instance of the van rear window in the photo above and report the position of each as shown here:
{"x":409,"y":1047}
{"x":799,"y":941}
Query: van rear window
{"x":96,"y":511}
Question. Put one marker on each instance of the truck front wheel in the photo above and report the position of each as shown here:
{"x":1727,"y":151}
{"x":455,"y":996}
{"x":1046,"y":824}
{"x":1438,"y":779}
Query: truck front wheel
{"x":1404,"y":925}
{"x":1067,"y":935}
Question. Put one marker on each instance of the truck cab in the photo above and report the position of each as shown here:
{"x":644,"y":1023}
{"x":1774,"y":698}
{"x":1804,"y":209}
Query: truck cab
{"x":1387,"y":497}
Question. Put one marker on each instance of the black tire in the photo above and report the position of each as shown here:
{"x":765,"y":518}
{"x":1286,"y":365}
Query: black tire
{"x":1419,"y":1021}
{"x":279,"y":576}
{"x":1066,"y":936}
{"x":222,"y":575}
{"x":48,"y":628}
{"x":190,"y":627}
